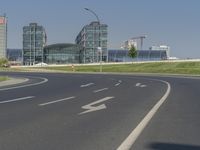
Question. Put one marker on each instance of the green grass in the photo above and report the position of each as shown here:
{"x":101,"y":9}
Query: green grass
{"x":3,"y":78}
{"x":158,"y":67}
{"x":191,"y":68}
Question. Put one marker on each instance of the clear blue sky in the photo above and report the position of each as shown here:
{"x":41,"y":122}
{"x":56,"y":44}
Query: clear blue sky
{"x":172,"y":22}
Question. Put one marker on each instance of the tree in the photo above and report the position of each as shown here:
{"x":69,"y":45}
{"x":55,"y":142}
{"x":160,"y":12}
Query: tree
{"x":132,"y":52}
{"x":3,"y":62}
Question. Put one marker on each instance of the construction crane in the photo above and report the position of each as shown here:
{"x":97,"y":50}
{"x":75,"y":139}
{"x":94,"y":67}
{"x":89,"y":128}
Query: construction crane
{"x":141,"y":38}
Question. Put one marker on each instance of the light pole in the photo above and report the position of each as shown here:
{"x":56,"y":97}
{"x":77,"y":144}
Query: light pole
{"x":99,"y":46}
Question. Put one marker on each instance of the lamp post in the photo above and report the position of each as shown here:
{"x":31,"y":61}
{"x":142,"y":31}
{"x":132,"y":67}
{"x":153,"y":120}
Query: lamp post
{"x":99,"y":49}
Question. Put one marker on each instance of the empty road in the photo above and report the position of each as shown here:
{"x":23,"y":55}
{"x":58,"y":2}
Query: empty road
{"x":52,"y":111}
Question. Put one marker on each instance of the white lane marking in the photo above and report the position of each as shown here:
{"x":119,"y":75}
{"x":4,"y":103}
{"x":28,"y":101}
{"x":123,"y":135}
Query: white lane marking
{"x":100,"y":90}
{"x":130,"y":140}
{"x":119,"y":82}
{"x":17,"y":87}
{"x":86,"y":85}
{"x":17,"y":99}
{"x":142,"y":86}
{"x":138,"y":84}
{"x":56,"y":101}
{"x":89,"y":108}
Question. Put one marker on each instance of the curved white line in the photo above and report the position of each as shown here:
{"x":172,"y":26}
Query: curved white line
{"x":130,"y":140}
{"x":17,"y":87}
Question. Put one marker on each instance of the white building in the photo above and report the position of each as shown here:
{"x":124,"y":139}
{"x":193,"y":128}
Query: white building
{"x":3,"y":36}
{"x":129,"y":43}
{"x":162,"y":47}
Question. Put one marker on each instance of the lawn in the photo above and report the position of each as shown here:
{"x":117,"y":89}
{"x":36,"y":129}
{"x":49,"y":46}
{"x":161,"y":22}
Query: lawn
{"x":157,"y":67}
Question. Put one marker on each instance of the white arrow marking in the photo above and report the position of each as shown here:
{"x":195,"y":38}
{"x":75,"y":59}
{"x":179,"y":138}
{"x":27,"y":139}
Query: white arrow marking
{"x":119,"y":82}
{"x":86,"y":85}
{"x":91,"y":108}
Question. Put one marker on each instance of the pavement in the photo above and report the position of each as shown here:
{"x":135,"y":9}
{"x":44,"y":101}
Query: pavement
{"x":101,"y":112}
{"x":13,"y":81}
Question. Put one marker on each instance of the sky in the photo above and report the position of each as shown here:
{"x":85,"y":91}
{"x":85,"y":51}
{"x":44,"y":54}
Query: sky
{"x":175,"y":23}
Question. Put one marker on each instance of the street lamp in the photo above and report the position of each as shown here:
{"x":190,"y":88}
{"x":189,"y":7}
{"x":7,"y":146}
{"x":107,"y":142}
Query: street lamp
{"x":99,"y":47}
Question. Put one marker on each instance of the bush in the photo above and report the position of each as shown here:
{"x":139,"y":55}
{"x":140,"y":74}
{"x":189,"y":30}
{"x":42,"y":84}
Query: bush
{"x":4,"y":62}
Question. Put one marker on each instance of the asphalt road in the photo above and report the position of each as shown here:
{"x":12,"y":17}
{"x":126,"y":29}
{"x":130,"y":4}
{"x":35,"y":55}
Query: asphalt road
{"x":100,"y":112}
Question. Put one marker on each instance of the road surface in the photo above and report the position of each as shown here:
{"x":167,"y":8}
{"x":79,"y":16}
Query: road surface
{"x":100,"y":112}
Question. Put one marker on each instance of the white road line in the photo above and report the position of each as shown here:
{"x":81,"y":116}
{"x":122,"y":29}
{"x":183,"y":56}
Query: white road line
{"x":130,"y":140}
{"x":86,"y":85}
{"x":119,"y":82}
{"x":27,"y":85}
{"x":100,"y":90}
{"x":90,"y":108}
{"x":17,"y":99}
{"x":56,"y":101}
{"x":138,"y":84}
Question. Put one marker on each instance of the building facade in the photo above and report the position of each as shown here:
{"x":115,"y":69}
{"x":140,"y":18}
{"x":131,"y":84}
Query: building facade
{"x":3,"y":36}
{"x":63,"y":53}
{"x":142,"y":55}
{"x":34,"y":40}
{"x":162,"y":48}
{"x":129,"y":43}
{"x":92,"y":40}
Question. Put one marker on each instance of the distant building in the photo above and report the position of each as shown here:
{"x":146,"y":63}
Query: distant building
{"x":3,"y":36}
{"x":34,"y":40}
{"x":63,"y":53}
{"x":142,"y":55}
{"x":162,"y":48}
{"x":129,"y":43}
{"x":89,"y":39}
{"x":14,"y":55}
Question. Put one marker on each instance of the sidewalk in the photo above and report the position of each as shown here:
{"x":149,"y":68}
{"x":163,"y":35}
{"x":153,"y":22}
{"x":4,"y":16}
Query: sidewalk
{"x":13,"y":81}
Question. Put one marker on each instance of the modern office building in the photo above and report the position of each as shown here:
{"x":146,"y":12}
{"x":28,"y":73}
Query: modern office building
{"x":63,"y":53}
{"x":92,"y":40}
{"x":162,"y":48}
{"x":14,"y":55}
{"x":3,"y":36}
{"x":34,"y":40}
{"x":142,"y":55}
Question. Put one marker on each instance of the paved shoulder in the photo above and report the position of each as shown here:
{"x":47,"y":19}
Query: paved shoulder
{"x":13,"y":81}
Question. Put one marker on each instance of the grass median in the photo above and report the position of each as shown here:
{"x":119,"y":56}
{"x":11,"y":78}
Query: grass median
{"x":3,"y":78}
{"x":157,"y":67}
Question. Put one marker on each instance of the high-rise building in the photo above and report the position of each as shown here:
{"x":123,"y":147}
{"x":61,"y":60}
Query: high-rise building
{"x":34,"y":40}
{"x":92,"y":40}
{"x":3,"y":36}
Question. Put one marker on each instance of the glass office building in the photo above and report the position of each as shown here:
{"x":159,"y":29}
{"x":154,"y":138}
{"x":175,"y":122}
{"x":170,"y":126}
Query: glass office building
{"x":3,"y":36}
{"x":142,"y":55}
{"x":89,"y":39}
{"x":61,"y":54}
{"x":34,"y":40}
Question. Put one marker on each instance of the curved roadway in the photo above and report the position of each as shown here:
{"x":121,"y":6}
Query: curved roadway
{"x":100,"y":112}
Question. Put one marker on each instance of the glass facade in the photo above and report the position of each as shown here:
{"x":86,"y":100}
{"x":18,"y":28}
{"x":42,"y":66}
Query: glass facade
{"x":142,"y":55}
{"x":3,"y":36}
{"x":89,"y":39}
{"x":34,"y":40}
{"x":61,"y":54}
